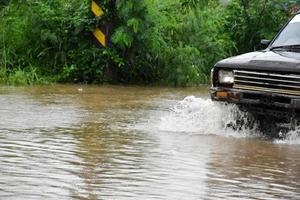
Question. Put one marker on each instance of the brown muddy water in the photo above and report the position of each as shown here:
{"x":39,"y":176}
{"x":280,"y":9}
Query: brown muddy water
{"x":113,"y":142}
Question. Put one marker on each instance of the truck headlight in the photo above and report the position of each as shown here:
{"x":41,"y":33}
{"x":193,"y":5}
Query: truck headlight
{"x":212,"y":76}
{"x":226,"y":76}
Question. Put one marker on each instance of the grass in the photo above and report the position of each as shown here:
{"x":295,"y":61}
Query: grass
{"x":18,"y":76}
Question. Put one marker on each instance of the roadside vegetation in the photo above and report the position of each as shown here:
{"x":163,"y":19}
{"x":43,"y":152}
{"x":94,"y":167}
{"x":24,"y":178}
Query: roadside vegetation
{"x":169,"y":42}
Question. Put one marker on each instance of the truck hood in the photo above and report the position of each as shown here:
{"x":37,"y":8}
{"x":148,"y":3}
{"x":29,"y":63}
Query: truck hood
{"x":282,"y":61}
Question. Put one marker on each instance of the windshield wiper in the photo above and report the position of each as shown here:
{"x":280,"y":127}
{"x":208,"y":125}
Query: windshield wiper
{"x":286,"y":47}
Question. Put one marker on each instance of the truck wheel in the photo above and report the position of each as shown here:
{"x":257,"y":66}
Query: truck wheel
{"x":277,"y":129}
{"x":241,"y":121}
{"x":270,"y":128}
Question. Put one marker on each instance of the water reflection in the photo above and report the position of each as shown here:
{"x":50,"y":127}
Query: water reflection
{"x":37,"y":164}
{"x":89,"y":142}
{"x":254,"y":169}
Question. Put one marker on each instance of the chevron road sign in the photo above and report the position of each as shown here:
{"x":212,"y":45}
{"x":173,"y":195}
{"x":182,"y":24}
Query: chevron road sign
{"x":98,"y":33}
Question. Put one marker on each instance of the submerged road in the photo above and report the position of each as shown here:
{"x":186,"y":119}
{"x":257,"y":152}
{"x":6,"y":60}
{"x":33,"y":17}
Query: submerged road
{"x":114,"y":142}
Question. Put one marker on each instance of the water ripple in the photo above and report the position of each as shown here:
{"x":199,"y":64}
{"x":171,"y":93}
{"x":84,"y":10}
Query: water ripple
{"x":135,"y":143}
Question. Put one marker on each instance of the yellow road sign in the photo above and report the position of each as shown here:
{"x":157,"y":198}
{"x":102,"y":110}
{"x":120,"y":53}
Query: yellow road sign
{"x":99,"y":35}
{"x":97,"y":10}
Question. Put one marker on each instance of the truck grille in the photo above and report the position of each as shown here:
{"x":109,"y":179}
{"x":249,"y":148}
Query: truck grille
{"x":267,"y":82}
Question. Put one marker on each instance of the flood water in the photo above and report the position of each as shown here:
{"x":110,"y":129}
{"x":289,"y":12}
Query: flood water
{"x":114,"y":142}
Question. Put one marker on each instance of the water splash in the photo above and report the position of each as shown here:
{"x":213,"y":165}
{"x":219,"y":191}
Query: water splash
{"x":292,"y":137}
{"x":202,"y":116}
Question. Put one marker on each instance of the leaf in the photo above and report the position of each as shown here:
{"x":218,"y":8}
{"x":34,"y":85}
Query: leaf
{"x":122,"y":38}
{"x":134,"y":23}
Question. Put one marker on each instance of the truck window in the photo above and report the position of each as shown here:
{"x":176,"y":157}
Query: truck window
{"x":290,"y":34}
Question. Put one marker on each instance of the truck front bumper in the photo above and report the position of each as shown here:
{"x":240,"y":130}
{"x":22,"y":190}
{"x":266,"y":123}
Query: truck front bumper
{"x":279,"y":106}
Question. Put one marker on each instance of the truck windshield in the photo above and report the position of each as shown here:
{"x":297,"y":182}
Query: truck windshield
{"x":290,"y":34}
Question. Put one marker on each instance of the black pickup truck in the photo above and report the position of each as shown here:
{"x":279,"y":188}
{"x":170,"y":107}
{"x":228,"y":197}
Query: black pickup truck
{"x":264,"y":83}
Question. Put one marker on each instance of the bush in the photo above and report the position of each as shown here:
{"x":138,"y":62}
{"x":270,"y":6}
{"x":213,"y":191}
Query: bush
{"x":189,"y":39}
{"x":250,"y":21}
{"x":173,"y":42}
{"x":55,"y":37}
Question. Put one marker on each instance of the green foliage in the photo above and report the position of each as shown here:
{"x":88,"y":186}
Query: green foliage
{"x":55,"y":37}
{"x":131,"y":39}
{"x":188,"y":39}
{"x":18,"y":76}
{"x":174,"y":42}
{"x":250,"y":21}
{"x":4,"y":3}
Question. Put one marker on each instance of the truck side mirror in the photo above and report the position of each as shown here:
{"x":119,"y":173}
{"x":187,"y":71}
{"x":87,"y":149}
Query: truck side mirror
{"x":265,"y":43}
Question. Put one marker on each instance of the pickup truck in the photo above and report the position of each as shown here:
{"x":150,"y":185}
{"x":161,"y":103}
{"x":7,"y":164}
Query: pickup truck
{"x":264,"y":83}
